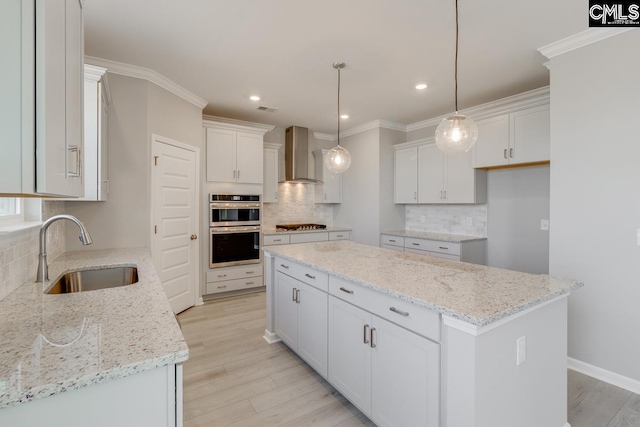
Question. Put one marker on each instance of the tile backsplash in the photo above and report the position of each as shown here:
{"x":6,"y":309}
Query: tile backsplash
{"x":296,"y":205}
{"x":19,"y":250}
{"x":447,"y":219}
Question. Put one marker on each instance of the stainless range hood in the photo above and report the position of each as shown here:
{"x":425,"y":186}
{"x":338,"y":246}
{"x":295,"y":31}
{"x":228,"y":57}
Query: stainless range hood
{"x":296,"y":156}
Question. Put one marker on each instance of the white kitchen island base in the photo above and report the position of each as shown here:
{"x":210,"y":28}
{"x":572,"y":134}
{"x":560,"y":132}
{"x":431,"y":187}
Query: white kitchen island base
{"x":405,"y":361}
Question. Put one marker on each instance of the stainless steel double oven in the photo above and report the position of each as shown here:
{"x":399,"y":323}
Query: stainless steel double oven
{"x":235,"y":230}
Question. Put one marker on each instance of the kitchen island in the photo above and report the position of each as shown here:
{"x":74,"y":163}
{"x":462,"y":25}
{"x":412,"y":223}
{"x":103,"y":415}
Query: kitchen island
{"x":101,"y":357}
{"x":414,"y":340}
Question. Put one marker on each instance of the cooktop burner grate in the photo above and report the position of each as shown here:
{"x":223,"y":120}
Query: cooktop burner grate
{"x":299,"y":227}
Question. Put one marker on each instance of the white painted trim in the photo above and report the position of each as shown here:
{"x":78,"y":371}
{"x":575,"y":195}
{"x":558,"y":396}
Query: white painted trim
{"x":324,"y":136}
{"x":236,"y":125}
{"x":566,"y":425}
{"x":271,"y":337}
{"x":414,"y":143}
{"x":149,"y":75}
{"x":197,"y":298}
{"x":272,"y":145}
{"x":476,"y":330}
{"x":93,"y":73}
{"x":576,"y":41}
{"x":604,"y":375}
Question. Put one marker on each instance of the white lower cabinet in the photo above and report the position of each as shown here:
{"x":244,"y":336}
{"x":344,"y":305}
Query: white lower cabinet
{"x":301,"y":320}
{"x":388,"y":372}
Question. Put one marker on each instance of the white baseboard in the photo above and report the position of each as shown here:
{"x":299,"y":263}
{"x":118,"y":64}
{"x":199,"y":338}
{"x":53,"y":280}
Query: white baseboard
{"x":566,"y":425}
{"x":200,"y":301}
{"x":604,"y":375}
{"x":270,"y":337}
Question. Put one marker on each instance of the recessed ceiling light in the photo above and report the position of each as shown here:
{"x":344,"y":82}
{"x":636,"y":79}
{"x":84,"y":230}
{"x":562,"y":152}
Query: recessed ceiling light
{"x":254,"y":98}
{"x":344,"y":116}
{"x":421,"y":86}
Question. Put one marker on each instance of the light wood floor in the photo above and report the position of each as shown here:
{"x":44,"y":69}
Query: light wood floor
{"x":234,"y":378}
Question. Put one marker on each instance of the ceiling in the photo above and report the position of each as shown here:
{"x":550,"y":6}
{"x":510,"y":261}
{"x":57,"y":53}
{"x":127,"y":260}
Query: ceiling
{"x":283,"y":50}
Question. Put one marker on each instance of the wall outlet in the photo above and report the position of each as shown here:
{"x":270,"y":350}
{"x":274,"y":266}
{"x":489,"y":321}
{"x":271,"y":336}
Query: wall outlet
{"x":469,"y":221}
{"x":521,"y":350}
{"x":544,"y":224}
{"x":423,"y":219}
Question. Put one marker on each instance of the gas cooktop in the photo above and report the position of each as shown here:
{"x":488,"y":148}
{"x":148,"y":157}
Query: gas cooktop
{"x":299,"y":227}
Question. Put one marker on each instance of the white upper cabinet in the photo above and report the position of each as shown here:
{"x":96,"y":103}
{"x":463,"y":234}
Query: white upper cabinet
{"x":45,"y":36}
{"x":432,"y":177}
{"x":519,"y":137}
{"x":406,"y":176}
{"x":330,"y":191}
{"x":270,"y":184}
{"x":234,"y":151}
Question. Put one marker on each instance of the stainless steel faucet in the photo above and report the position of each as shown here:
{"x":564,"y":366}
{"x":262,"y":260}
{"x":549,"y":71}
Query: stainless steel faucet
{"x":43,"y":268}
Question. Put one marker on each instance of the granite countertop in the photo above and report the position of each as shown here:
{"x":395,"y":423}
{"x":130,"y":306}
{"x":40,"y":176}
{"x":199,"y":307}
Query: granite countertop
{"x":476,"y":294}
{"x":50,"y":344}
{"x":272,"y":231}
{"x":440,"y":237}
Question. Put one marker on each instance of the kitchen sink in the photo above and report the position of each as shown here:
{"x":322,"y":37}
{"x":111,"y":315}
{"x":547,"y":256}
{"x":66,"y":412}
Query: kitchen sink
{"x":91,"y":280}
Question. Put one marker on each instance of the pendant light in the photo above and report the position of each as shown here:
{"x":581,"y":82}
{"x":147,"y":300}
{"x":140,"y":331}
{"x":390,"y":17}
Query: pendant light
{"x":338,"y":159}
{"x":457,"y":133}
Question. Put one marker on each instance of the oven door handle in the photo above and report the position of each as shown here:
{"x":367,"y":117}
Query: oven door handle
{"x":237,"y":205}
{"x":227,"y":230}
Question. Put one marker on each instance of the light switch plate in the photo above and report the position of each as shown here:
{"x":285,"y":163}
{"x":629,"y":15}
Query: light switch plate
{"x":544,"y":224}
{"x":521,"y":351}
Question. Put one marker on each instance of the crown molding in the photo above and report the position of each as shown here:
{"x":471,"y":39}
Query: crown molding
{"x":521,"y":101}
{"x":272,"y":145}
{"x":415,"y":143}
{"x":324,"y":136}
{"x":576,"y":41}
{"x":95,"y":74}
{"x":149,"y":75}
{"x":236,"y":125}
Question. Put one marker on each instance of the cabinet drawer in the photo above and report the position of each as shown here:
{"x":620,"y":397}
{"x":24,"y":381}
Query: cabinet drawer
{"x":339,"y":235}
{"x":234,"y":285}
{"x":432,"y":246}
{"x":305,"y":274}
{"x":433,"y":254}
{"x":417,"y":319}
{"x":231,"y":273}
{"x":392,"y":240}
{"x":309,"y":237}
{"x":276,"y":240}
{"x":394,"y":248}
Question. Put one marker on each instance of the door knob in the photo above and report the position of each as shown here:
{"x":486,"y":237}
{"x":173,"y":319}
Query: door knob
{"x":194,"y":237}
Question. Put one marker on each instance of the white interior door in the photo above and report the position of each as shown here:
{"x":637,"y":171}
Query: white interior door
{"x":174,"y":231}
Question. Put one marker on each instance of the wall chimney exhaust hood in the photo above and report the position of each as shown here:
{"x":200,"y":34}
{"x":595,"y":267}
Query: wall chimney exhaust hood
{"x":296,"y":156}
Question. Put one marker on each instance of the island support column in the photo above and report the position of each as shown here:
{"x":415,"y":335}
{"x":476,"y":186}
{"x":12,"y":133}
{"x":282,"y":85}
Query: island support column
{"x":269,"y":271}
{"x":483,"y":384}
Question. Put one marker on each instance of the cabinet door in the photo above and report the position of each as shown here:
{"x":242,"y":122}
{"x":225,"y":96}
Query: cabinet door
{"x":270,"y":187}
{"x":249,"y":158}
{"x":405,"y":377}
{"x":286,"y":309}
{"x":103,"y":146}
{"x":312,"y":327}
{"x":492,"y":146}
{"x":430,"y":174}
{"x":330,"y":191}
{"x":349,"y":352}
{"x":530,"y":135}
{"x":406,"y":176}
{"x":459,"y":178}
{"x":221,"y":155}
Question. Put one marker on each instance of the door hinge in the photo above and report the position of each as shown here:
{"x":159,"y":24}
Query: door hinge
{"x":155,"y":229}
{"x":155,"y":160}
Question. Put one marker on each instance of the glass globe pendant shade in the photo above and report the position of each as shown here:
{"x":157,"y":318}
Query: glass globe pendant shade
{"x":338,"y":159}
{"x":456,"y":134}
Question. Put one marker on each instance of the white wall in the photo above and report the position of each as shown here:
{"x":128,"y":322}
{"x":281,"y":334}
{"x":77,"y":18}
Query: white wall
{"x":392,"y":216}
{"x":517,"y":200}
{"x":595,"y":201}
{"x":138,"y":109}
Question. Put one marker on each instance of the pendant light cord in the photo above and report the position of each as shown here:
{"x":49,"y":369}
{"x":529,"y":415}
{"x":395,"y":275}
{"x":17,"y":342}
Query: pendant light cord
{"x":456,"y":60}
{"x":339,"y":106}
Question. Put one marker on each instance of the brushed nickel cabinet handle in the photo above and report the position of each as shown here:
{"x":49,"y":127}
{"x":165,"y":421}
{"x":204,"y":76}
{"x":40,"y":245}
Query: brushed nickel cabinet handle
{"x":238,"y":174}
{"x":222,"y":287}
{"x":222,"y":275}
{"x":249,"y":283}
{"x":391,"y":240}
{"x":284,"y":266}
{"x":249,"y":272}
{"x":277,"y":240}
{"x":310,"y":276}
{"x":293,"y":294}
{"x":511,"y":152}
{"x":234,"y":174}
{"x":440,"y":194}
{"x":364,"y":337}
{"x":298,"y":296}
{"x":339,"y":235}
{"x":400,"y":312}
{"x":373,"y":345}
{"x":416,"y":244}
{"x":505,"y":153}
{"x":415,"y":195}
{"x":443,"y":247}
{"x":346,"y":290}
{"x":445,"y":194}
